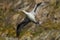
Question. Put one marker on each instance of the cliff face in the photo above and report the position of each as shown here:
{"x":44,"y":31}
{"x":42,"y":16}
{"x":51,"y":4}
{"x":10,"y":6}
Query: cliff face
{"x":49,"y":15}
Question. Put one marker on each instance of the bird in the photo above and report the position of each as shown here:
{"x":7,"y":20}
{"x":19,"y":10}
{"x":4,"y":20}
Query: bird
{"x":30,"y":17}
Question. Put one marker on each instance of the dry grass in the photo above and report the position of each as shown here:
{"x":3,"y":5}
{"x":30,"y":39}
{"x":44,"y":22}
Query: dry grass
{"x":9,"y":20}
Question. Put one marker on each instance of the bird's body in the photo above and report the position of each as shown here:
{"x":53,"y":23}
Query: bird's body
{"x":30,"y":16}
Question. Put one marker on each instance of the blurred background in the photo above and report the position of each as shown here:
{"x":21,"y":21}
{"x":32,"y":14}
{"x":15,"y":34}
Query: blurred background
{"x":49,"y":15}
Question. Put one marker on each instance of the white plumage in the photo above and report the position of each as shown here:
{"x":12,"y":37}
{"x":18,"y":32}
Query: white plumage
{"x":30,"y":16}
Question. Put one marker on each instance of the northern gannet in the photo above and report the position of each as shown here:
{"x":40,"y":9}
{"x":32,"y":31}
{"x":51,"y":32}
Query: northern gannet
{"x":30,"y":17}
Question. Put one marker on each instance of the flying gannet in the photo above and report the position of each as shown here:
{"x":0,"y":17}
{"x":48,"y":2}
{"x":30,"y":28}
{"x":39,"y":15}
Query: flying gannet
{"x":30,"y":17}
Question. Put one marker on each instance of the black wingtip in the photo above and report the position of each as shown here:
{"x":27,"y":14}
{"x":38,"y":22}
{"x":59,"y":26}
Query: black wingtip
{"x":39,"y":4}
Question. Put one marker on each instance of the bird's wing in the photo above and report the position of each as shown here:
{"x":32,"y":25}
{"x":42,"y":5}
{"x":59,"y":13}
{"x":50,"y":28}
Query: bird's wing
{"x":37,"y":7}
{"x":22,"y":25}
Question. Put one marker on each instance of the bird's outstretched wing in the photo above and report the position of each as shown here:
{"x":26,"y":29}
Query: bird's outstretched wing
{"x":21,"y":26}
{"x":37,"y":7}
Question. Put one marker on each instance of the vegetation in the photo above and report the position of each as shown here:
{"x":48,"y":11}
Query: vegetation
{"x":10,"y":18}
